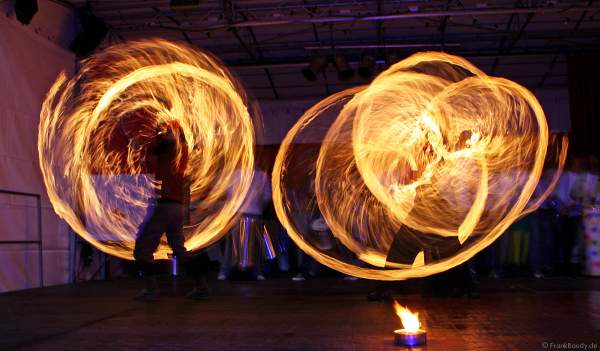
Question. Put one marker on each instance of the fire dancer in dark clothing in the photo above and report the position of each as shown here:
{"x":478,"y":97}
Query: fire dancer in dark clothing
{"x":168,"y":159}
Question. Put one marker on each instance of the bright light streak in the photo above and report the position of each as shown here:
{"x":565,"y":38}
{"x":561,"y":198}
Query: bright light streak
{"x":418,"y":171}
{"x":95,"y":129}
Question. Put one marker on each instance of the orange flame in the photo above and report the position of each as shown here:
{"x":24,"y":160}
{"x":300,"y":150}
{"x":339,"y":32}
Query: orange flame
{"x":419,"y":170}
{"x":95,"y":129}
{"x":410,"y":321}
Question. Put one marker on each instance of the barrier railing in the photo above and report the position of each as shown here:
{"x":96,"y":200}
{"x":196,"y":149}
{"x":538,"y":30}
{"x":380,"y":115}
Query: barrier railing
{"x":39,"y":230}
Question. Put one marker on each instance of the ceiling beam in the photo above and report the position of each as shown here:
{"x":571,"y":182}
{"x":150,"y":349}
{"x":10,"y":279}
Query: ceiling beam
{"x":318,"y":41}
{"x":401,"y":16}
{"x":302,"y":63}
{"x":582,"y":17}
{"x":174,"y":20}
{"x":503,"y":40}
{"x":261,"y":57}
{"x":548,"y":72}
{"x":520,"y":33}
{"x":254,"y":52}
{"x":555,"y":58}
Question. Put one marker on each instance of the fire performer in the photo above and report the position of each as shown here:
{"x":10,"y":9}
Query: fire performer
{"x":167,"y":158}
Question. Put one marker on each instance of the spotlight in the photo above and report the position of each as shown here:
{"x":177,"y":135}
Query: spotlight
{"x":25,"y":10}
{"x":92,"y":32}
{"x":316,"y":66}
{"x":366,"y":67}
{"x":345,"y":72}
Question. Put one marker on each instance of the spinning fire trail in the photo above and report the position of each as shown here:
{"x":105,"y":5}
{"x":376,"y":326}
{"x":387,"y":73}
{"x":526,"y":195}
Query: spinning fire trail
{"x":95,"y":131}
{"x":416,"y":172}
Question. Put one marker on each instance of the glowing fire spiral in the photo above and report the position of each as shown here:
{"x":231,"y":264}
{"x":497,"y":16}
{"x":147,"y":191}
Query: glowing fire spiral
{"x":416,"y":172}
{"x":96,"y":128}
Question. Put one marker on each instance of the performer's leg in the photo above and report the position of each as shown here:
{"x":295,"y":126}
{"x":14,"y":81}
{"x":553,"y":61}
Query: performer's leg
{"x":195,"y":266}
{"x":149,"y":236}
{"x":197,"y":269}
{"x":174,"y":229}
{"x":146,"y":243}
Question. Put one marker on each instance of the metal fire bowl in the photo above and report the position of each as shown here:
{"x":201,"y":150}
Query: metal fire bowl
{"x":408,"y":339}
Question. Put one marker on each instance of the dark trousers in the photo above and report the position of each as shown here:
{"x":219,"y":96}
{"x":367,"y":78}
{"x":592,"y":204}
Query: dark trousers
{"x":166,"y":217}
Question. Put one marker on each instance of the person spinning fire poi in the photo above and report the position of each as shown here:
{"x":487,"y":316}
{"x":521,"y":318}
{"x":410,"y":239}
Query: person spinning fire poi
{"x":410,"y":245}
{"x":167,"y":158}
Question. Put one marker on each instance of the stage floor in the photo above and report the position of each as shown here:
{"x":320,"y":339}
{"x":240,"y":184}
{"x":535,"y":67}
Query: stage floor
{"x":277,"y":314}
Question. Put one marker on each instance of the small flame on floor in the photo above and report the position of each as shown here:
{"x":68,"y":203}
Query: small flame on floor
{"x":410,"y":320}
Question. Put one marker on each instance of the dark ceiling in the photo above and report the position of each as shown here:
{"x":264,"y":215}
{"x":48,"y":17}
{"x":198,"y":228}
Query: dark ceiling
{"x":268,"y":42}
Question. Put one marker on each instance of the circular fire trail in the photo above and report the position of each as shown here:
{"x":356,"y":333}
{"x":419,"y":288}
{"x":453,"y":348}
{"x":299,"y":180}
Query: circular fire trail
{"x":96,"y":128}
{"x":416,"y":172}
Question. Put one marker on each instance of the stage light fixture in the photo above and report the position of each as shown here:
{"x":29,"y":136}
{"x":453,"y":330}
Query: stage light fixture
{"x":25,"y":10}
{"x":345,"y":72}
{"x":316,"y":66}
{"x":91,"y":35}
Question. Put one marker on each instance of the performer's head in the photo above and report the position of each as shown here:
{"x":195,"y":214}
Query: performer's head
{"x":169,"y":138}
